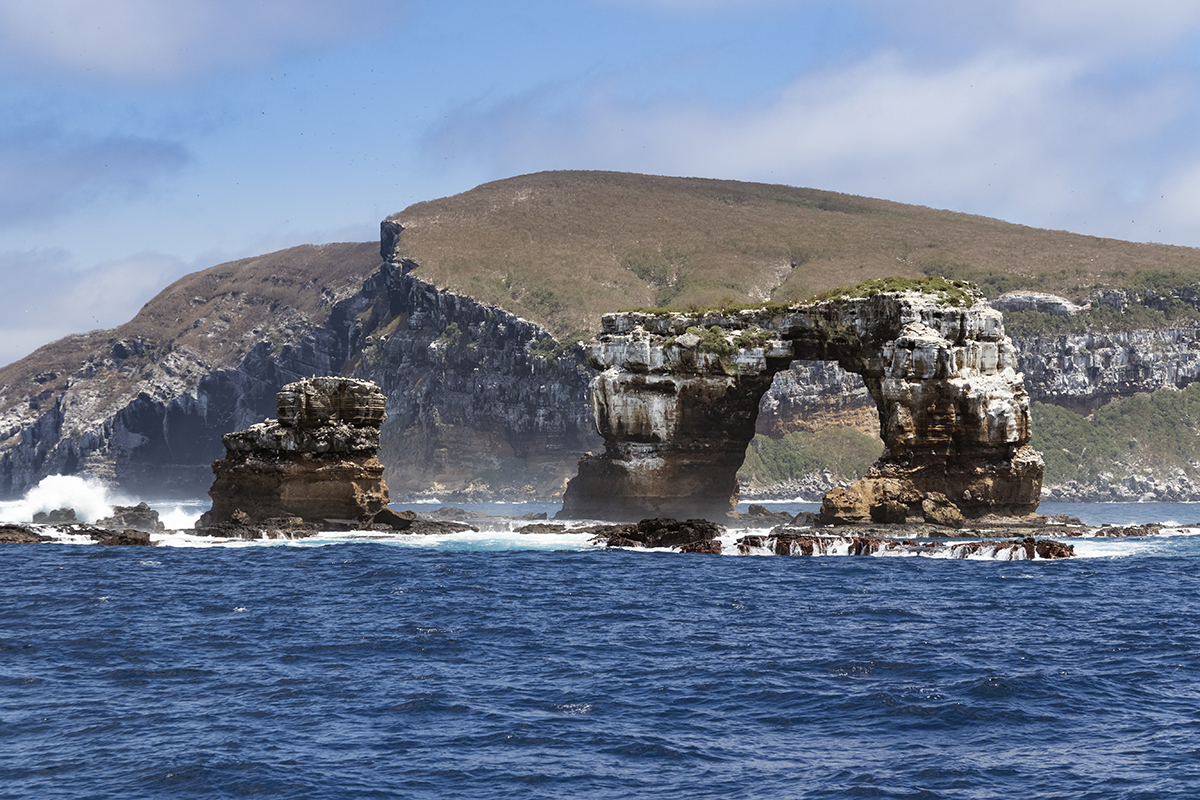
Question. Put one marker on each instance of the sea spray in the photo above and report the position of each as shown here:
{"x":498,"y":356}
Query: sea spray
{"x":91,"y":499}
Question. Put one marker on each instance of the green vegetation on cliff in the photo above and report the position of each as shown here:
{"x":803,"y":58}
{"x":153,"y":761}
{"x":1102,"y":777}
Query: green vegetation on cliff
{"x":1157,"y":432}
{"x":845,"y":452}
{"x":948,"y":292}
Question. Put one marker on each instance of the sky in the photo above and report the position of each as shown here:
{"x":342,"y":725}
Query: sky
{"x":144,"y":139}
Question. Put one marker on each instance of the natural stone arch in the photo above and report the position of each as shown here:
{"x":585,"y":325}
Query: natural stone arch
{"x":678,"y":395}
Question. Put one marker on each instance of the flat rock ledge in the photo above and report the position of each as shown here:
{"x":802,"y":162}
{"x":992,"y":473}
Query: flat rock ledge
{"x":20,"y":533}
{"x":1002,"y":538}
{"x":386,"y":522}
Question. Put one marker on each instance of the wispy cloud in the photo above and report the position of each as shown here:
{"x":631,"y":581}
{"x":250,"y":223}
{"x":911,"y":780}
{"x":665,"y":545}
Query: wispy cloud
{"x":1015,"y":125}
{"x":46,"y":170}
{"x":155,"y":42}
{"x":47,"y":296}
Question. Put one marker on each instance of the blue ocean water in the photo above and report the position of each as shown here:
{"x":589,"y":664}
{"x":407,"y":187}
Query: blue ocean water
{"x":497,"y":665}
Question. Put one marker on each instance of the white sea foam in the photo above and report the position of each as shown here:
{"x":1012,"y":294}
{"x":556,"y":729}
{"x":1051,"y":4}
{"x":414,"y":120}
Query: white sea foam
{"x":91,"y":499}
{"x":180,"y":516}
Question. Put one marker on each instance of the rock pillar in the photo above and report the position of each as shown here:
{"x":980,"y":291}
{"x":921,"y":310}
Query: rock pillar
{"x":316,"y":461}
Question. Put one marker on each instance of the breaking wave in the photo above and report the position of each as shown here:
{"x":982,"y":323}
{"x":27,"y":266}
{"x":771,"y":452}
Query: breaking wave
{"x":91,"y":499}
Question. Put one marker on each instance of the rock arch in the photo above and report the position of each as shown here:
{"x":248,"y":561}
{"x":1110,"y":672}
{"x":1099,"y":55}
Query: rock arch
{"x":678,"y":395}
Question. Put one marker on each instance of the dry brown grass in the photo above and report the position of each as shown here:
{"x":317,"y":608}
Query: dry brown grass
{"x":562,"y":248}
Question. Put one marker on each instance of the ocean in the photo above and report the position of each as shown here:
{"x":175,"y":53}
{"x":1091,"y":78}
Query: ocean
{"x":508,"y":665}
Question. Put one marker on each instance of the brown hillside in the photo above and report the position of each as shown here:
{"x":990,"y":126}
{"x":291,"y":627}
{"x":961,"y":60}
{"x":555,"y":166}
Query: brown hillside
{"x":562,"y":248}
{"x":217,"y":314}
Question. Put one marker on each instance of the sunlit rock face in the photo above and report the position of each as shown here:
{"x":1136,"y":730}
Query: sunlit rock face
{"x":317,"y":461}
{"x":678,"y":395}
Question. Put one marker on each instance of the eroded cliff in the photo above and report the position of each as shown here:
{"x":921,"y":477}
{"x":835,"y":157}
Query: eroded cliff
{"x":477,"y":398}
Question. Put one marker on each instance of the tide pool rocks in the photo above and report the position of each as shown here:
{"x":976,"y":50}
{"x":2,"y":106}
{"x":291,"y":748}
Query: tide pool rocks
{"x":315,"y":463}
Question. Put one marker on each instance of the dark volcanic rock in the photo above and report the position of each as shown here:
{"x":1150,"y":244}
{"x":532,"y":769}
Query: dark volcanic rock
{"x":543,"y":527}
{"x":656,"y":533}
{"x":130,"y":537}
{"x":399,"y":521}
{"x":19,"y":534}
{"x":55,"y":517}
{"x":711,"y":547}
{"x":316,"y":462}
{"x":761,"y":517}
{"x":868,"y":541}
{"x":138,"y":518}
{"x":1128,"y":530}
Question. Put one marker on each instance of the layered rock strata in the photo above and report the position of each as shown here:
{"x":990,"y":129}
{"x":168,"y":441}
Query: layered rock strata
{"x":678,"y":395}
{"x":478,"y":399}
{"x":316,"y":461}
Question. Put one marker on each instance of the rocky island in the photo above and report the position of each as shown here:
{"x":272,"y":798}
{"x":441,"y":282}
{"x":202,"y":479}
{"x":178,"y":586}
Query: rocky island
{"x":316,"y":462}
{"x":678,"y":395}
{"x":467,"y":310}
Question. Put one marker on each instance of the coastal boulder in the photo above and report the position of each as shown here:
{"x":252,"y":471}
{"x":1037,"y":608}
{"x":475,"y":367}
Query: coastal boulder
{"x":134,"y":518}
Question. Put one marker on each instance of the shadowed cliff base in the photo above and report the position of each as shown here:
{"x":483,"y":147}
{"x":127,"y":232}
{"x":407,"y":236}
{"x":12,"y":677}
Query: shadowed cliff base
{"x":678,"y":395}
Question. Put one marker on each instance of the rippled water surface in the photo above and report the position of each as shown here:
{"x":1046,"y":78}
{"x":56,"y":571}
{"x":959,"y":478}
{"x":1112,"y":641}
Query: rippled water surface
{"x":367,"y":669}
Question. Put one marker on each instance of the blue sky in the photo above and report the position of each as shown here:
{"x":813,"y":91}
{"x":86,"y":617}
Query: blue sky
{"x":141,"y":140}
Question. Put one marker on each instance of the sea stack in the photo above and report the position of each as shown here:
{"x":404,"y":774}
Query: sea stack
{"x":316,"y":462}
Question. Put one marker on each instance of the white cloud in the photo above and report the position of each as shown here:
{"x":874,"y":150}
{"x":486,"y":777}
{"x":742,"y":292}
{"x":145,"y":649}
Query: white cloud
{"x":1108,"y":25}
{"x":155,"y":41}
{"x":47,"y":297}
{"x":1031,"y":139}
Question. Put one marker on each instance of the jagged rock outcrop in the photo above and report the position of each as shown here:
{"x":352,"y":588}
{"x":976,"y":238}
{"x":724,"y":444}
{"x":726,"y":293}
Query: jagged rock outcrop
{"x":790,"y":542}
{"x":316,"y":462}
{"x":130,"y":518}
{"x":1086,"y":370}
{"x":677,"y":399}
{"x":691,"y":536}
{"x":1041,"y":302}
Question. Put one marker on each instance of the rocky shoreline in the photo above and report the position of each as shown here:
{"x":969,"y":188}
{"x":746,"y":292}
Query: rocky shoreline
{"x":1002,"y":538}
{"x":1176,"y":487}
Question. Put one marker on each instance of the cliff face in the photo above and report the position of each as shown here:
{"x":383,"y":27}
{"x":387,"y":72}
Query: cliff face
{"x":478,"y":400}
{"x":1084,"y":371}
{"x":144,"y":406}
